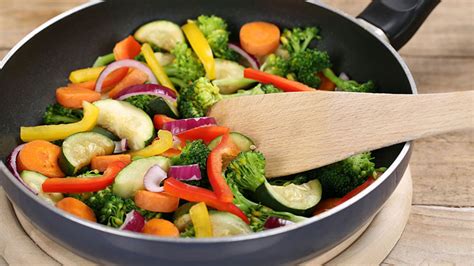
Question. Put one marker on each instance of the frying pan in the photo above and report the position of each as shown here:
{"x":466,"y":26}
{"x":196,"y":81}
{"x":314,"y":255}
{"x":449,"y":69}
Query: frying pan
{"x":41,"y":62}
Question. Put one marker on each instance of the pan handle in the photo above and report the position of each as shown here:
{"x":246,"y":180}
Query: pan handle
{"x":398,"y":19}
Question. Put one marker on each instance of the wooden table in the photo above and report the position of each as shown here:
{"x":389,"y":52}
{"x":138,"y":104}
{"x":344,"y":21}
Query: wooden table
{"x":441,"y":57}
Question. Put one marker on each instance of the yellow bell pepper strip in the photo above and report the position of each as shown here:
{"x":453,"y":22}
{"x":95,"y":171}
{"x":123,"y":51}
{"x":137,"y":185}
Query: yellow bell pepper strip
{"x":155,"y":66}
{"x":201,"y":220}
{"x":85,"y":74}
{"x":164,"y":142}
{"x":62,"y":131}
{"x":201,"y":48}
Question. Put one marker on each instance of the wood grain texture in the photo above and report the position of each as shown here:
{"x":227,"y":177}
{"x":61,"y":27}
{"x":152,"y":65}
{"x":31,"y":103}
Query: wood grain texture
{"x":296,"y":131}
{"x":436,"y":236}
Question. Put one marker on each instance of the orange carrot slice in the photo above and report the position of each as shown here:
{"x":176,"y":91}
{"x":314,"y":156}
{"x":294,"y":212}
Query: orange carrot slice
{"x":156,"y":202}
{"x":259,"y":38}
{"x":160,"y":227}
{"x":102,"y":162}
{"x":77,"y":208}
{"x":73,"y":97}
{"x":40,"y":156}
{"x":135,"y":77}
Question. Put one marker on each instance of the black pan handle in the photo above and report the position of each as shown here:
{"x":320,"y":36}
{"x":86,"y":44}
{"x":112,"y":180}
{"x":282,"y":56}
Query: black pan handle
{"x":399,"y":19}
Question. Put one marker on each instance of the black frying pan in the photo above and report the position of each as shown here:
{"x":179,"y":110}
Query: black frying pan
{"x":32,"y":72}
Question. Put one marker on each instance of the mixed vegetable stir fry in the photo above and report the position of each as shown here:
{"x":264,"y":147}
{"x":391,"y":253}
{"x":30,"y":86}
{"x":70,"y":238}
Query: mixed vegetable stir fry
{"x":128,"y":143}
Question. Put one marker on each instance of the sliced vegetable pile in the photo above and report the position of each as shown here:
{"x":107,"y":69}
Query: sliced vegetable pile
{"x":128,"y":143}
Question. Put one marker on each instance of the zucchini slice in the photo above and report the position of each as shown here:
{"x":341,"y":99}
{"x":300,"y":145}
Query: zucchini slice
{"x":126,"y":121}
{"x":297,"y":199}
{"x":106,"y":133}
{"x":130,"y":179}
{"x":35,"y":181}
{"x":78,"y":150}
{"x":231,"y":85}
{"x":243,"y":142}
{"x":230,"y":76}
{"x":227,"y":224}
{"x":162,"y":33}
{"x":162,"y":106}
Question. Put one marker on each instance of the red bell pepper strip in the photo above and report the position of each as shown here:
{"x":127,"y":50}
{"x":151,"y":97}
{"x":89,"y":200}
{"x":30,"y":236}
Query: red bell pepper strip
{"x":325,"y":205}
{"x":83,"y":184}
{"x":197,"y":194}
{"x":356,"y":190}
{"x":224,"y":151}
{"x":279,"y":82}
{"x":160,"y":120}
{"x":206,"y":133}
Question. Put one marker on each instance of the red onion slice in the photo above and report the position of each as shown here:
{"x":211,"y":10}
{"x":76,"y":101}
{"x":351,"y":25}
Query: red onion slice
{"x":275,"y":222}
{"x":251,"y":59}
{"x":181,"y":125}
{"x":153,"y":178}
{"x":121,"y":146}
{"x":120,"y":64}
{"x":185,"y":172}
{"x":11,"y":164}
{"x":134,"y":222}
{"x":150,"y":89}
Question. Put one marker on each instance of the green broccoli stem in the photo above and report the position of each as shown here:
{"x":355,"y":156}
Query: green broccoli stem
{"x":104,"y":60}
{"x":176,"y":81}
{"x":335,"y":79}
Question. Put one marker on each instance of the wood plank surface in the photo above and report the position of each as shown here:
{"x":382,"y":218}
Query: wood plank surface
{"x":441,"y":58}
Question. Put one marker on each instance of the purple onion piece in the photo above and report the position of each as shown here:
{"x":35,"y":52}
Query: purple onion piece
{"x":121,"y":146}
{"x":134,"y":222}
{"x":153,"y":178}
{"x":150,"y":89}
{"x":182,"y":125}
{"x":11,"y":164}
{"x":275,"y":222}
{"x":253,"y":62}
{"x":185,"y":172}
{"x":121,"y":64}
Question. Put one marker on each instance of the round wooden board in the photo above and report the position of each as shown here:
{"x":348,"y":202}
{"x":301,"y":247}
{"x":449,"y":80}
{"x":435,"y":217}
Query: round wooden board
{"x":22,"y":243}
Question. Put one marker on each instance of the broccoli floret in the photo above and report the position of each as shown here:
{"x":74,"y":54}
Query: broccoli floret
{"x":57,"y":114}
{"x":188,"y":231}
{"x":111,"y":209}
{"x":297,"y":39}
{"x":248,"y":170}
{"x":215,"y":30}
{"x":269,"y":88}
{"x":276,"y":65}
{"x":240,"y":177}
{"x":194,"y":100}
{"x":141,"y":101}
{"x":195,"y":152}
{"x":349,"y":85}
{"x":305,"y":64}
{"x":339,"y":178}
{"x":186,"y":67}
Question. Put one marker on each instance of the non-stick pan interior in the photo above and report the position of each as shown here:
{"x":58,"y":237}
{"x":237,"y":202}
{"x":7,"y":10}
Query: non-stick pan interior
{"x":30,"y":77}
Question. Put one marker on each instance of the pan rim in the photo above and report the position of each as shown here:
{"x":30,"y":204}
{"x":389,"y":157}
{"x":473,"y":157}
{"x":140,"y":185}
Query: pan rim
{"x":263,"y":234}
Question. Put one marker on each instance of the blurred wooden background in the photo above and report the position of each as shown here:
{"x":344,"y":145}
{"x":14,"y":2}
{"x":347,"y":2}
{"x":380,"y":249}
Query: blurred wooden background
{"x":441,"y":57}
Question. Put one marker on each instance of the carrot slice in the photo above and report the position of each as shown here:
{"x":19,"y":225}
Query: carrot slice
{"x":102,"y":162}
{"x":40,"y":156}
{"x":326,"y":84}
{"x":160,"y":120}
{"x":77,"y":208}
{"x":73,"y":97}
{"x":128,"y":48}
{"x":160,"y":227}
{"x":259,"y":38}
{"x":156,"y":202}
{"x":135,"y":77}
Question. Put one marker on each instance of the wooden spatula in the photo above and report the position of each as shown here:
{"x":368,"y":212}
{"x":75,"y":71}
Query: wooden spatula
{"x":301,"y":131}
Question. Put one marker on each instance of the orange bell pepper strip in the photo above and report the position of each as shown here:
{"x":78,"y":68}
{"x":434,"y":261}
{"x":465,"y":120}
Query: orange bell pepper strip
{"x":83,"y":184}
